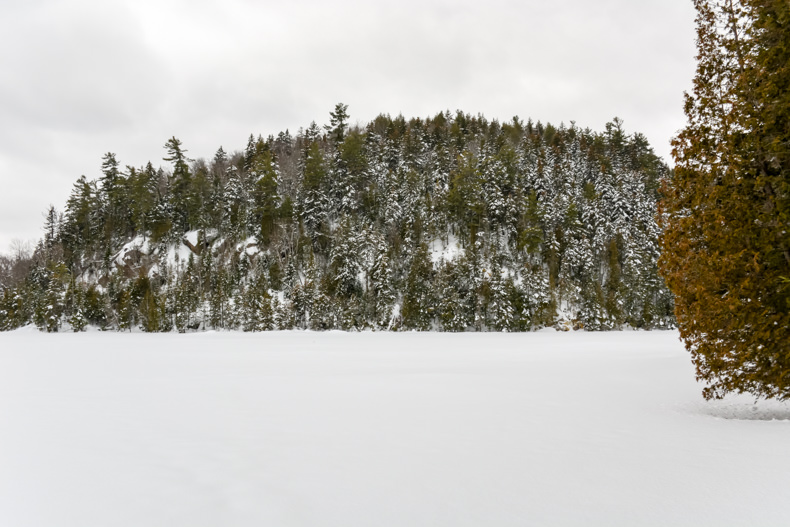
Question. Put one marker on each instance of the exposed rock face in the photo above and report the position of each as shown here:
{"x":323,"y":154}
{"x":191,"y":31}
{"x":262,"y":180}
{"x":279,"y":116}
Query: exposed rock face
{"x":196,"y":248}
{"x":199,"y":241}
{"x":133,"y":260}
{"x":131,"y":263}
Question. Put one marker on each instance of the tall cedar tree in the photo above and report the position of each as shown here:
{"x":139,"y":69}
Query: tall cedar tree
{"x":726,"y":245}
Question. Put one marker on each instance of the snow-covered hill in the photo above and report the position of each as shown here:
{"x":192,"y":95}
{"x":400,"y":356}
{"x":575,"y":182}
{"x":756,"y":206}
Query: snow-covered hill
{"x":451,"y":223}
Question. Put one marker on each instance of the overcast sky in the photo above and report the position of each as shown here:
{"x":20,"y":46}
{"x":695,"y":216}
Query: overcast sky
{"x":85,"y":77}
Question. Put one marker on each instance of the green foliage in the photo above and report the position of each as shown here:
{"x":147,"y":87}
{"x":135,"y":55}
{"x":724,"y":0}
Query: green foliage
{"x":14,"y":311}
{"x":183,"y":198}
{"x":455,"y":306}
{"x":75,"y":307}
{"x":265,"y":198}
{"x":338,"y":123}
{"x":727,"y":205}
{"x":257,"y":312}
{"x":382,"y":289}
{"x":452,"y":223}
{"x":344,"y":261}
{"x":95,"y":307}
{"x":465,"y":196}
{"x":417,"y":310}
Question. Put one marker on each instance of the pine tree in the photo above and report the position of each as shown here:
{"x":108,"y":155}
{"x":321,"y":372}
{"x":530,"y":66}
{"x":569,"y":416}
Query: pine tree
{"x":315,"y":202}
{"x":122,"y":304}
{"x":219,"y":298}
{"x":257,"y":307}
{"x":338,"y":123}
{"x":77,"y":318}
{"x":152,"y":312}
{"x":345,"y":264}
{"x":726,"y":248}
{"x":181,"y":183}
{"x":538,"y":305}
{"x":465,"y":198}
{"x":382,"y":288}
{"x":452,"y":310}
{"x":141,"y":199}
{"x":238,"y":205}
{"x":500,"y":313}
{"x":79,"y":231}
{"x":350,"y":174}
{"x":265,"y":198}
{"x":14,"y":309}
{"x":112,"y":198}
{"x":418,"y":310}
{"x":5,"y":309}
{"x":51,"y":231}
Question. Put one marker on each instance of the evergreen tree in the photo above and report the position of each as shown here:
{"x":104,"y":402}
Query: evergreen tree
{"x":152,"y":312}
{"x":345,"y":263}
{"x":49,"y":299}
{"x":112,"y":198}
{"x":418,"y":310}
{"x":453,"y":310}
{"x":79,"y":232}
{"x":465,"y":199}
{"x":52,"y":229}
{"x":265,"y":198}
{"x":338,"y":123}
{"x":77,"y":318}
{"x":382,"y":288}
{"x":538,"y":305}
{"x":257,"y":307}
{"x":182,"y":201}
{"x":500,"y":312}
{"x":726,"y":248}
{"x":315,"y":202}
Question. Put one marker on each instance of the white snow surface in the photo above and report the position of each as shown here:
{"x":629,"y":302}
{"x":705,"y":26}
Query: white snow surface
{"x":445,"y":252}
{"x":177,"y":255}
{"x":249,"y":246}
{"x":138,"y":243}
{"x":192,"y":237}
{"x":384,"y":429}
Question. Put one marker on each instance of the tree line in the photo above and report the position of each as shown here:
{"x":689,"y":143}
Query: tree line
{"x":452,"y":223}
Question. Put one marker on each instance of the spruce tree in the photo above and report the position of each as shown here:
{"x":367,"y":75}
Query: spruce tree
{"x":382,"y":288}
{"x":417,"y":310}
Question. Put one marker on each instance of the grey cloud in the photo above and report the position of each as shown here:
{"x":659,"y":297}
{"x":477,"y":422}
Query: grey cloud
{"x":88,"y":76}
{"x":78,"y":68}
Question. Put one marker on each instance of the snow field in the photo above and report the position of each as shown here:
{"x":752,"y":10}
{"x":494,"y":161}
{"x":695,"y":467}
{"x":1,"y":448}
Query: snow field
{"x":386,"y":429}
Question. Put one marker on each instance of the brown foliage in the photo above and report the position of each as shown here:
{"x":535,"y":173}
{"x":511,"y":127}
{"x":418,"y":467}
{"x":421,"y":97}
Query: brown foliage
{"x":726,"y":210}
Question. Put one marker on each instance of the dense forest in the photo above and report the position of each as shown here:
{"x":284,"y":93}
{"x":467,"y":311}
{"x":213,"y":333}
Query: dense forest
{"x":450,"y":223}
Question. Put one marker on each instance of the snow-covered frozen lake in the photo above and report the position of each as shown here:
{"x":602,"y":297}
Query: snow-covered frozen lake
{"x":378,"y":429}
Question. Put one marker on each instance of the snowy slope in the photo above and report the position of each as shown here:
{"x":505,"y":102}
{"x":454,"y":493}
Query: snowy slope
{"x":362,"y":429}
